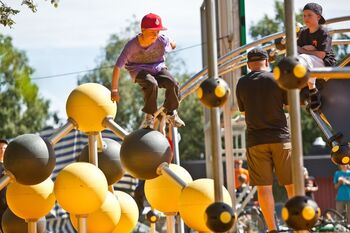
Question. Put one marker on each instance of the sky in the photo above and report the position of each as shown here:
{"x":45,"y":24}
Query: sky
{"x":71,"y":38}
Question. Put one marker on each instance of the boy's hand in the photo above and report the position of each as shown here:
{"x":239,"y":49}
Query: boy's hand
{"x":115,"y":96}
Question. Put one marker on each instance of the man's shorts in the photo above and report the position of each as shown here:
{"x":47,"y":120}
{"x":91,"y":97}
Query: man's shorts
{"x":265,"y":159}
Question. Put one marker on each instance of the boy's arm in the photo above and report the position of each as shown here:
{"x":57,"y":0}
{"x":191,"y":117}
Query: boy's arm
{"x":319,"y":54}
{"x":115,"y":84}
{"x":173,"y":44}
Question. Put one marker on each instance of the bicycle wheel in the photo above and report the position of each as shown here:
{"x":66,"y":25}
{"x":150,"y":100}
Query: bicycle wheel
{"x":251,"y":220}
{"x":333,"y":216}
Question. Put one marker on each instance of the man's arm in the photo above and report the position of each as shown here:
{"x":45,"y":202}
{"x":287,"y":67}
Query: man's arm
{"x":115,"y":84}
{"x":319,"y":54}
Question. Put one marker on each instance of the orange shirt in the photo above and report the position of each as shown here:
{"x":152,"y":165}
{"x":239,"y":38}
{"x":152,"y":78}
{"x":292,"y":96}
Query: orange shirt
{"x":239,"y":172}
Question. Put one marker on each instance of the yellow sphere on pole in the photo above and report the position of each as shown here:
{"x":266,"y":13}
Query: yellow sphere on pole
{"x":194,"y":200}
{"x":103,"y":220}
{"x":88,"y":105}
{"x":31,"y":202}
{"x":81,"y":188}
{"x":163,"y":193}
{"x":129,"y":213}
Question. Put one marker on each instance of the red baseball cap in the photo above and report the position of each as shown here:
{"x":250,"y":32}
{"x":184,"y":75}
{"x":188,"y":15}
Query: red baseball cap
{"x":153,"y":22}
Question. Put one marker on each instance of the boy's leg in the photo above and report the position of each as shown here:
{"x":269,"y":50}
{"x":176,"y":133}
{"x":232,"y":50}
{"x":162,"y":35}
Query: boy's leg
{"x":166,"y":80}
{"x":171,"y":103}
{"x":149,"y":87}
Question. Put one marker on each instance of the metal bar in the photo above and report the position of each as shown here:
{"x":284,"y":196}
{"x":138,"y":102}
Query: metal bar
{"x":246,"y":200}
{"x":119,"y":131}
{"x":82,"y":223}
{"x":340,"y":42}
{"x":330,"y":72}
{"x":170,"y":224}
{"x":163,"y":169}
{"x":214,"y":112}
{"x":175,"y":141}
{"x":324,"y":128}
{"x":100,"y":143}
{"x":4,"y":181}
{"x":32,"y":227}
{"x":338,"y":19}
{"x":62,"y":131}
{"x":334,"y":31}
{"x":93,"y":155}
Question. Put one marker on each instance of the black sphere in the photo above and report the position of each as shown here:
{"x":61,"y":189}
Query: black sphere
{"x":213,"y":92}
{"x":143,"y":151}
{"x":291,"y":74}
{"x":280,"y":43}
{"x":108,"y":160}
{"x":219,"y":217}
{"x":30,"y":158}
{"x":341,"y":156}
{"x":11,"y":223}
{"x":300,"y":213}
{"x":152,"y":217}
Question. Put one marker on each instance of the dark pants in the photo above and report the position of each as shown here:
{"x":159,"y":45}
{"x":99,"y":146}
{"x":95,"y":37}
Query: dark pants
{"x":150,"y":84}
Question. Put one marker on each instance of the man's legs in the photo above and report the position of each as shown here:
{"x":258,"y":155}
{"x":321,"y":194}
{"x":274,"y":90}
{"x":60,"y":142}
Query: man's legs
{"x":267,"y":205}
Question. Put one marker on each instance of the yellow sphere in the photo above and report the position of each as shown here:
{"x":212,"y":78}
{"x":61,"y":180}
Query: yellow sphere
{"x":81,"y":188}
{"x":276,"y":72}
{"x":200,"y":93}
{"x":345,"y":160}
{"x":129,"y":215}
{"x":31,"y":201}
{"x":308,"y":213}
{"x":105,"y":219}
{"x":163,"y":193}
{"x":88,"y":105}
{"x":285,"y":214}
{"x":299,"y":71}
{"x":220,"y":91}
{"x":194,"y":200}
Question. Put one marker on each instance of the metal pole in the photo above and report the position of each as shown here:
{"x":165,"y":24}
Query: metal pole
{"x":163,"y":169}
{"x":62,"y":131}
{"x":170,"y":223}
{"x":293,"y":100}
{"x":330,"y":72}
{"x":32,"y":227}
{"x":214,"y":112}
{"x":119,"y":131}
{"x":82,"y":223}
{"x":100,"y":144}
{"x":93,"y":155}
{"x":4,"y":181}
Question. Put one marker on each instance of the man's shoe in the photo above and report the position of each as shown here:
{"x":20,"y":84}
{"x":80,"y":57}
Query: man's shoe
{"x":148,"y":122}
{"x":174,"y":120}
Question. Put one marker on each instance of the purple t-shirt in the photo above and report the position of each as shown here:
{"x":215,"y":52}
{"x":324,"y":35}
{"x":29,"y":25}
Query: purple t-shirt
{"x":136,"y":58}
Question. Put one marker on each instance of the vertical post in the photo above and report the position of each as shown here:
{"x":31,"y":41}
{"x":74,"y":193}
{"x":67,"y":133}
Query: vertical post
{"x":93,"y":155}
{"x":294,"y":100}
{"x":82,"y":223}
{"x":214,"y":112}
{"x":32,"y":227}
{"x":170,"y":223}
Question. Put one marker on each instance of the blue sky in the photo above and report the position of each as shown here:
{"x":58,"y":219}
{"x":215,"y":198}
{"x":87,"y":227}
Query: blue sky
{"x":70,"y":38}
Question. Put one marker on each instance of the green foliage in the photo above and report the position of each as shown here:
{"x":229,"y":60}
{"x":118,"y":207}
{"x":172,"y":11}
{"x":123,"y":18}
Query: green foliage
{"x":129,"y":114}
{"x":22,"y":110}
{"x":7,"y":12}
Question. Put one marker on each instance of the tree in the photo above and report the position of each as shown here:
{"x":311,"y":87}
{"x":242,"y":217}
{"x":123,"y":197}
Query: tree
{"x":7,"y":12}
{"x":22,"y":110}
{"x":129,"y":114}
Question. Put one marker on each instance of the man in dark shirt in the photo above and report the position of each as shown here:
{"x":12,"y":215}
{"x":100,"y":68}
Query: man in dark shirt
{"x":268,"y":139}
{"x":3,"y":204}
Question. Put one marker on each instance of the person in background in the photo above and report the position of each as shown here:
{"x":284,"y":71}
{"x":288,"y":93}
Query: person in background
{"x":310,"y":184}
{"x":241,"y":175}
{"x":341,"y":182}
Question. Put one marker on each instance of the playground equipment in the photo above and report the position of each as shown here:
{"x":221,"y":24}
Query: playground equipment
{"x":11,"y":223}
{"x":213,"y":92}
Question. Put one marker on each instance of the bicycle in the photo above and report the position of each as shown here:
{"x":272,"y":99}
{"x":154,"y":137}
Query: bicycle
{"x":331,"y":221}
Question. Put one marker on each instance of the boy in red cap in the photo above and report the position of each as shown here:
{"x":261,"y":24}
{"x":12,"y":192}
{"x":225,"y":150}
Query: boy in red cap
{"x":144,"y":57}
{"x":314,"y":47}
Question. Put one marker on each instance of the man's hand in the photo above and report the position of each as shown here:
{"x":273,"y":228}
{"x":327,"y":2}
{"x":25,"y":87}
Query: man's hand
{"x":115,"y":95}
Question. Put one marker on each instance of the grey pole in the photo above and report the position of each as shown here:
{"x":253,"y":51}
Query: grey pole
{"x":93,"y":148}
{"x":82,"y":223}
{"x":62,"y":131}
{"x":214,"y":112}
{"x":294,"y":100}
{"x":117,"y":129}
{"x":4,"y":181}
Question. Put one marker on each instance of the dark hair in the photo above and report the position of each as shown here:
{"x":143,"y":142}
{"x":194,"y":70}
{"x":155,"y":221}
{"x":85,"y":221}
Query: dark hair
{"x":4,"y":141}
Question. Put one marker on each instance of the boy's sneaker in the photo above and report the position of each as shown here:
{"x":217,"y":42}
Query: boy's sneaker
{"x":148,"y":122}
{"x":174,"y":120}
